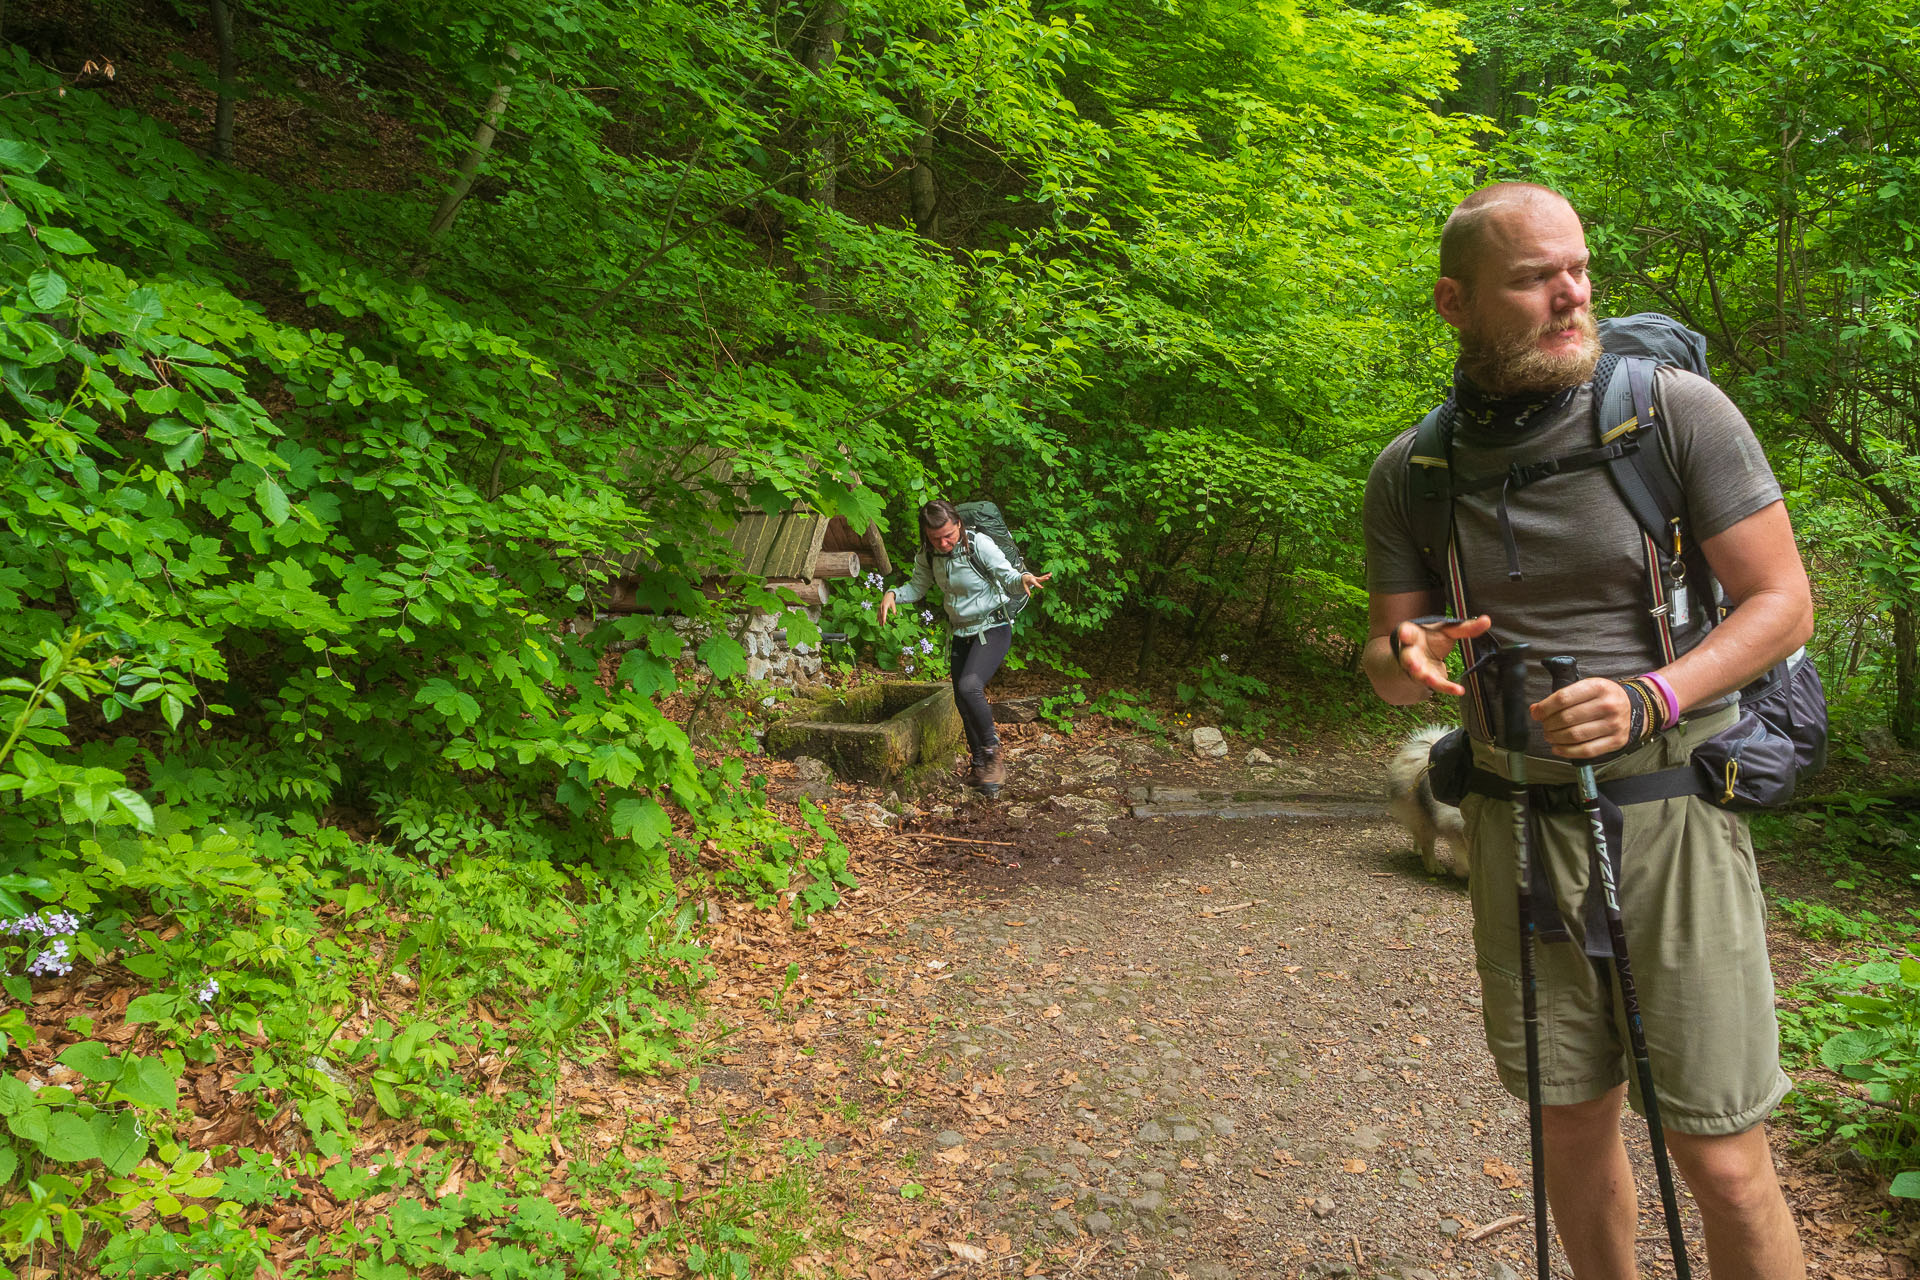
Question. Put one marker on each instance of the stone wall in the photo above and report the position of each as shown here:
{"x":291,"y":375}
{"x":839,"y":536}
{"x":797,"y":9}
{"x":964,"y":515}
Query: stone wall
{"x":770,"y":655}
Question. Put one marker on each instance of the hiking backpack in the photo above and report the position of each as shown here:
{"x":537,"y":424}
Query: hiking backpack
{"x":1781,"y":736}
{"x":985,"y":516}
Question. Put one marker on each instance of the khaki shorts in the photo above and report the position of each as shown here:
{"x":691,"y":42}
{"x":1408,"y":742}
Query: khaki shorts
{"x":1696,"y":933}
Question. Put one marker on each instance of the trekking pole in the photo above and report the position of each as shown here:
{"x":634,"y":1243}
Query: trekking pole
{"x":1514,"y":722}
{"x":1564,"y":671}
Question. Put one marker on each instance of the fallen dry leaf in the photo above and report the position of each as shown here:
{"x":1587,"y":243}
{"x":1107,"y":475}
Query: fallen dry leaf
{"x":452,"y":1185}
{"x":1503,"y":1173}
{"x":1355,"y":1166}
{"x":967,"y":1252}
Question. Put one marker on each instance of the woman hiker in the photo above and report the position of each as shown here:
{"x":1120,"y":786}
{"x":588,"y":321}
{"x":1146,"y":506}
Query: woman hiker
{"x":976,"y":585}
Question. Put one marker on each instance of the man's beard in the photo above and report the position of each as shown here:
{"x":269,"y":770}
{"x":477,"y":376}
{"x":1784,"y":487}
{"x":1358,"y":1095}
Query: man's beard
{"x":1516,"y":366}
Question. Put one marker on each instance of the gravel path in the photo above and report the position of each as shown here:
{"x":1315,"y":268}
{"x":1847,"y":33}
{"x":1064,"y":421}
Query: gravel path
{"x":1192,"y":1048}
{"x":1242,"y":1048}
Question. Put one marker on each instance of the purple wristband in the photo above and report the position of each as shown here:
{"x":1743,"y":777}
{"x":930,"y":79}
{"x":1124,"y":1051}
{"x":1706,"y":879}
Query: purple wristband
{"x":1667,"y":695}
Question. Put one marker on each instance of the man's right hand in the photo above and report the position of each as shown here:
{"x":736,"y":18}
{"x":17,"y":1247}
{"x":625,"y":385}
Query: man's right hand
{"x":886,"y":607}
{"x":1424,"y":649}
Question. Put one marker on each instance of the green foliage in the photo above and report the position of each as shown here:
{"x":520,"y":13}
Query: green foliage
{"x":1754,"y":170}
{"x":1058,"y":709}
{"x":1129,"y":710}
{"x":1866,"y":1028}
{"x":322,"y":473}
{"x":911,"y":641}
{"x":1219,"y":690}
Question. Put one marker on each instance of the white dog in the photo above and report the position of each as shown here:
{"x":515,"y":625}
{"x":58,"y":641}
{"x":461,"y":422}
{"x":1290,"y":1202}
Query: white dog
{"x":1410,"y":801}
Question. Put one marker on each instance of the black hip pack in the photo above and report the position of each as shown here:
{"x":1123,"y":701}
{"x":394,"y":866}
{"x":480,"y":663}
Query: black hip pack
{"x":1780,"y":738}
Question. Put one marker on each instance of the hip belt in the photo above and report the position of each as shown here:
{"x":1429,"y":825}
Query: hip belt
{"x":1562,"y":797}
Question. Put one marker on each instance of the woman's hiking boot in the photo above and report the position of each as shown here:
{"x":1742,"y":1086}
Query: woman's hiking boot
{"x":991,"y":772}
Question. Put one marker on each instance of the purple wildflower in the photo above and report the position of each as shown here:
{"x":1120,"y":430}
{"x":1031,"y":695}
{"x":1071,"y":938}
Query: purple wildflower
{"x":54,"y":961}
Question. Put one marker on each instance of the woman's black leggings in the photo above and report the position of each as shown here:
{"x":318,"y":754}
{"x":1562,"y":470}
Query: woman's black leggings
{"x":975,"y":659}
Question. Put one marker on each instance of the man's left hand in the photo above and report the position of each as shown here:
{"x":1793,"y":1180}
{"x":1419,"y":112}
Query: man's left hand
{"x":1586,"y":719}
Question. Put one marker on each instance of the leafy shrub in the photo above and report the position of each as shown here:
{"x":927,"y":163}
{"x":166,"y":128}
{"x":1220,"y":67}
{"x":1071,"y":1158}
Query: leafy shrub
{"x":1234,"y":697}
{"x":912,"y":641}
{"x":1867,"y":1021}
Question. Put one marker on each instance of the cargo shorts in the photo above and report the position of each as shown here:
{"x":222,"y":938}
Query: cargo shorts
{"x":1696,"y":934}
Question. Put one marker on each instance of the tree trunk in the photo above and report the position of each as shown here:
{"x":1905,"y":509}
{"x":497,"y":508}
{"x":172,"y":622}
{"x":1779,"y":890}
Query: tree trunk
{"x":477,"y":150}
{"x":926,"y":195}
{"x":223,"y":108}
{"x":1905,"y":718}
{"x":823,"y":183}
{"x":1151,"y":626}
{"x":1266,"y":594}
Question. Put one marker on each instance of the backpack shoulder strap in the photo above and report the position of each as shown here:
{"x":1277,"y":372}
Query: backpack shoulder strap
{"x":1623,"y":406}
{"x":1430,"y":490}
{"x":1644,"y":475}
{"x":979,"y":565}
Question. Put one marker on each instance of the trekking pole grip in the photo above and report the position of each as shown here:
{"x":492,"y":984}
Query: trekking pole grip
{"x":1563,"y":671}
{"x":1513,"y":696}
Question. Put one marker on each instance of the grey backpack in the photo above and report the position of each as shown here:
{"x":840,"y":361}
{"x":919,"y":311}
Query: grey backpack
{"x":1781,"y":736}
{"x":985,"y":516}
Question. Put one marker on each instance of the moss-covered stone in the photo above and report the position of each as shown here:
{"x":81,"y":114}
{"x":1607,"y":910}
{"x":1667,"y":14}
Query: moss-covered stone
{"x":872,"y":732}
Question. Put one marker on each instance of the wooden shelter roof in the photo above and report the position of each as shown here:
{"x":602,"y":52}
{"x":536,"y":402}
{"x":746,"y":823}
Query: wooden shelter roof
{"x":785,"y":544}
{"x":779,"y":546}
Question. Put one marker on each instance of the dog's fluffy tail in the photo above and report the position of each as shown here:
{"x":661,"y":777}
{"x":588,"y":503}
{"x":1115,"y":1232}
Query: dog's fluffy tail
{"x":1409,"y":764}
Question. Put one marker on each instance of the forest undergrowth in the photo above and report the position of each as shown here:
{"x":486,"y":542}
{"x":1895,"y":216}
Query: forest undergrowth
{"x":357,"y":358}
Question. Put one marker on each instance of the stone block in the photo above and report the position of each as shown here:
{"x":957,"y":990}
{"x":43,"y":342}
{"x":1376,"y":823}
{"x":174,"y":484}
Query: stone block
{"x":1016,"y":711}
{"x":873,"y":732}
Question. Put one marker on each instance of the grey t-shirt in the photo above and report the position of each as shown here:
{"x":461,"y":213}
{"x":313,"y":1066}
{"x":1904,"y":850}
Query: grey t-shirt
{"x":1583,"y":585}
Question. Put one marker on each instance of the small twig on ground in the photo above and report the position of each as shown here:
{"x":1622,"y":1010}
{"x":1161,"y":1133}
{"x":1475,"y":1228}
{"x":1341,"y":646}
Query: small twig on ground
{"x":894,"y":903}
{"x":1238,"y":906}
{"x":1494,"y":1228}
{"x":1086,"y":1259}
{"x":927,"y":835}
{"x":1359,"y":1258}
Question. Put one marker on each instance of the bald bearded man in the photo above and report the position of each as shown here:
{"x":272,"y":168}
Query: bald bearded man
{"x":1559,"y":564}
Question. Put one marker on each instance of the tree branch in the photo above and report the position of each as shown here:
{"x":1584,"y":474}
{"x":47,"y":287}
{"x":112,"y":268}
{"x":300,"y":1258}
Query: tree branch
{"x":691,"y":232}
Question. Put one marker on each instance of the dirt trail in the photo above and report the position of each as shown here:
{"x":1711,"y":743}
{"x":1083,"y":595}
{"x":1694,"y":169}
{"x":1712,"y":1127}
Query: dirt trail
{"x":1205,"y":1048}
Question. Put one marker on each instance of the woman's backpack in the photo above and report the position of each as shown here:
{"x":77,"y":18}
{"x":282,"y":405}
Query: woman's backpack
{"x":985,"y":516}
